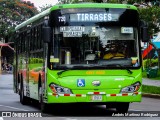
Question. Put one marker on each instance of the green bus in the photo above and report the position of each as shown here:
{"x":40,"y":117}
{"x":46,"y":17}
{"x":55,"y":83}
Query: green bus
{"x":63,"y":55}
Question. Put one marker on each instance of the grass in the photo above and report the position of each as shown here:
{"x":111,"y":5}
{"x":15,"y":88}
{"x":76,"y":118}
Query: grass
{"x":150,"y":89}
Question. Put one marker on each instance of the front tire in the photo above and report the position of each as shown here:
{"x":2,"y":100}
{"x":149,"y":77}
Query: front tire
{"x":23,"y":99}
{"x":122,"y":107}
{"x":43,"y":106}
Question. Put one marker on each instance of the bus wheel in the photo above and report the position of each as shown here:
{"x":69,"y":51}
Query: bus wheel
{"x":43,"y":106}
{"x":122,"y":107}
{"x":23,"y":99}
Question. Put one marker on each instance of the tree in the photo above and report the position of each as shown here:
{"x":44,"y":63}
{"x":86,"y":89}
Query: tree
{"x":13,"y":12}
{"x":152,"y":18}
{"x":45,"y":7}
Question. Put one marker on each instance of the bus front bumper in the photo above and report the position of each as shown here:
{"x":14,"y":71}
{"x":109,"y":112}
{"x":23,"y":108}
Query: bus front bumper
{"x":97,"y":97}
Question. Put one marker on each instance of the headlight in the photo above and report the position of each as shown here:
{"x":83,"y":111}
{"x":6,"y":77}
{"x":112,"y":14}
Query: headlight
{"x":132,"y":88}
{"x":59,"y":89}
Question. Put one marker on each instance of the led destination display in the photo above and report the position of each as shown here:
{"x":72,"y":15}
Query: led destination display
{"x":93,"y":17}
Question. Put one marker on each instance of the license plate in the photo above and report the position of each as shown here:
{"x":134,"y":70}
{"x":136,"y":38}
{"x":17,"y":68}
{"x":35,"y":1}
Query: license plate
{"x":96,"y":97}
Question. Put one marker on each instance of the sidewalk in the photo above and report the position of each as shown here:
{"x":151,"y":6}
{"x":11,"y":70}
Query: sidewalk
{"x":147,"y":81}
{"x":6,"y":72}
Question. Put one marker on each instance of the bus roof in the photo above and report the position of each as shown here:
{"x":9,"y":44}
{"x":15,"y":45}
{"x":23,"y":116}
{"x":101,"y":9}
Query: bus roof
{"x":93,"y":5}
{"x":66,"y":6}
{"x":32,"y":19}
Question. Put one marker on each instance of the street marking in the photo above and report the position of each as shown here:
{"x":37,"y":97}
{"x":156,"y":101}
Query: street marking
{"x":135,"y":110}
{"x":14,"y":108}
{"x":71,"y":119}
{"x":67,"y":118}
{"x":1,"y":118}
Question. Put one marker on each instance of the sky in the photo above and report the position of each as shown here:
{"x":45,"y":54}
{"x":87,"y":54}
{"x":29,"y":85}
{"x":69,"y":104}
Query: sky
{"x":38,"y":3}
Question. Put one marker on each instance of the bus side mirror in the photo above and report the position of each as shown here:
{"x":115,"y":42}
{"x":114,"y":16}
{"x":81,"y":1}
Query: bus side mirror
{"x":46,"y":34}
{"x":144,"y":31}
{"x":144,"y":34}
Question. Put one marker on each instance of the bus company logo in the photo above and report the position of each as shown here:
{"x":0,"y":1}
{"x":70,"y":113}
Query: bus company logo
{"x":81,"y":82}
{"x":96,"y":83}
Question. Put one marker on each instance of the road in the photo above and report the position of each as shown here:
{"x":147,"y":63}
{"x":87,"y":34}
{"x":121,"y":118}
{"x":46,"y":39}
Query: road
{"x":9,"y":101}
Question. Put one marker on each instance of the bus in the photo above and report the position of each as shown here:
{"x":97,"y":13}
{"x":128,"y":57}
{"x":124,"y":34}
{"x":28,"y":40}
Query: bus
{"x":61,"y":56}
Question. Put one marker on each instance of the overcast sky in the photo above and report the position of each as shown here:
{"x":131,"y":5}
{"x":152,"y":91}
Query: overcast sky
{"x":40,"y":3}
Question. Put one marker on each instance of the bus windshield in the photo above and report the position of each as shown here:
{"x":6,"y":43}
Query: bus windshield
{"x":94,"y":40}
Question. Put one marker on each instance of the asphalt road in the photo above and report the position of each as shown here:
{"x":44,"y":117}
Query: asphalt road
{"x":9,"y":101}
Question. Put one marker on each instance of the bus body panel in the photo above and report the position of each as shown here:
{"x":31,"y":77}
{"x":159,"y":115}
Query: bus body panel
{"x":109,"y":88}
{"x":108,"y":80}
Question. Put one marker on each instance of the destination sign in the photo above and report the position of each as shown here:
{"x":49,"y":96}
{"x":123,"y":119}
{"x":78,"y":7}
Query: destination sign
{"x":72,"y":34}
{"x":72,"y":28}
{"x":93,"y":17}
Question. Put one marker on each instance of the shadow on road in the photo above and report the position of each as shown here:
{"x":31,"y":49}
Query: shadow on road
{"x":77,"y":110}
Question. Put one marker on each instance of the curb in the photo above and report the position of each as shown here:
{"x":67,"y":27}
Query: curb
{"x":151,"y":95}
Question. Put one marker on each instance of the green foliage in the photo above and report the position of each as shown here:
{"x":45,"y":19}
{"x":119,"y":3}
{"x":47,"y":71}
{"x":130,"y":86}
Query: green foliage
{"x":35,"y":60}
{"x":150,"y":63}
{"x":76,"y":1}
{"x":156,"y":77}
{"x":45,"y":7}
{"x":114,"y":1}
{"x":13,"y":12}
{"x":152,"y":17}
{"x":151,"y":69}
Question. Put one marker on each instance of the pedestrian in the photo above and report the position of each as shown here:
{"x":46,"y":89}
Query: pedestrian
{"x":2,"y":66}
{"x":10,"y":68}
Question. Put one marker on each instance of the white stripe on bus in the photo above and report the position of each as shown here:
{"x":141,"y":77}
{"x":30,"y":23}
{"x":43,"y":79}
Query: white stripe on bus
{"x":96,"y":93}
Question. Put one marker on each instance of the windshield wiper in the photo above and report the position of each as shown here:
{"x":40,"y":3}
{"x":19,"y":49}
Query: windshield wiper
{"x":60,"y":72}
{"x":67,"y":69}
{"x":129,"y":71}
